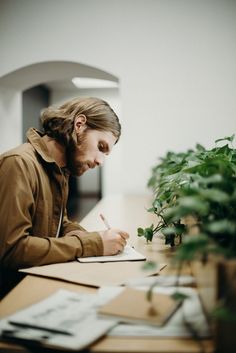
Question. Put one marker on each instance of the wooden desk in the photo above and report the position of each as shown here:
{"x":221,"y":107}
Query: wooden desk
{"x":127,"y":213}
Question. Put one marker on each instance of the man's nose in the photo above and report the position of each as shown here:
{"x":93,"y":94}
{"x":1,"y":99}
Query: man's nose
{"x":99,"y":160}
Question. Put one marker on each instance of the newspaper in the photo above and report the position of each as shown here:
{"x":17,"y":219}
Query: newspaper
{"x":65,"y":319}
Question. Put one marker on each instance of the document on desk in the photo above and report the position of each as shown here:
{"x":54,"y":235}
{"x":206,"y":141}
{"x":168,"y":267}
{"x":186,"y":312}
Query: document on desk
{"x":65,"y":319}
{"x":128,"y":254}
{"x":95,"y":274}
{"x":189,"y":315}
{"x":132,"y":306}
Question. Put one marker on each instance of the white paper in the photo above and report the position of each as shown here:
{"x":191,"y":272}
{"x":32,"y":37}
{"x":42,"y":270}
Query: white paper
{"x":66,"y":311}
{"x":128,"y":254}
{"x":162,"y":280}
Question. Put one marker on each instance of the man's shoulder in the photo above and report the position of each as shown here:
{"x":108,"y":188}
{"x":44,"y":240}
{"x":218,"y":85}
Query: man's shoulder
{"x":22,"y":152}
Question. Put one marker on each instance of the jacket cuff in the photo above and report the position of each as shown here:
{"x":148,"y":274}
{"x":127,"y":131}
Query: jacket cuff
{"x":92,"y":244}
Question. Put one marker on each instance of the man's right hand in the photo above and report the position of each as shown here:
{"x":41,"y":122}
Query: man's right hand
{"x":114,"y":241}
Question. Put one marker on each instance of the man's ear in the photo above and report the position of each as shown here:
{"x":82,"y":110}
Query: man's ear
{"x":79,"y":123}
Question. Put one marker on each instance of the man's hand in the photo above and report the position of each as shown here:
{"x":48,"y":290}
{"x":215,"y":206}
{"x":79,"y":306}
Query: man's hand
{"x":114,"y":241}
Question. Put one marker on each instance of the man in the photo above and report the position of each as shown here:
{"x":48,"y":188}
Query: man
{"x":34,"y":227}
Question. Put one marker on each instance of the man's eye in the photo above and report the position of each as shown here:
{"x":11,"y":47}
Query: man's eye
{"x":101,"y":146}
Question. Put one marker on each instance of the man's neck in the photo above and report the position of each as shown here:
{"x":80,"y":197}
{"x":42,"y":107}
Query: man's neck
{"x":56,"y":150}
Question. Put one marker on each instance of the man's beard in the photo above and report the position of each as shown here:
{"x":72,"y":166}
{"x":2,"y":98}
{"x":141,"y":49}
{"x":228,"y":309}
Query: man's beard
{"x":76,"y":166}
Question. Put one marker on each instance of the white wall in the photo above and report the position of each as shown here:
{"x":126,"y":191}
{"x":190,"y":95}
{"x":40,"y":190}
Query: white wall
{"x":10,"y":119}
{"x":175,"y":60}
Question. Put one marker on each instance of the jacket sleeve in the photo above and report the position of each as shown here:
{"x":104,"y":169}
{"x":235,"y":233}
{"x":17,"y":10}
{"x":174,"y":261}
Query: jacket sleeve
{"x":90,"y":240}
{"x":18,"y":246}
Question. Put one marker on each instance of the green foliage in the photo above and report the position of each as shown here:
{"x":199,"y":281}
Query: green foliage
{"x":223,"y":313}
{"x":149,"y":265}
{"x":179,"y":296}
{"x":146,"y":233}
{"x":200,"y":184}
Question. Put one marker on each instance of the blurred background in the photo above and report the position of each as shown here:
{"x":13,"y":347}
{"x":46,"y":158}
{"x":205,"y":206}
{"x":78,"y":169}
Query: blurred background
{"x":167,"y":67}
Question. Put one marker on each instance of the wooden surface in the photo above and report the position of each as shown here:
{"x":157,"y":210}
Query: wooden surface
{"x":127,"y":213}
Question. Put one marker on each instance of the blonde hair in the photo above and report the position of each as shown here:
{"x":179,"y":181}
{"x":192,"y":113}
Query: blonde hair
{"x":58,"y":123}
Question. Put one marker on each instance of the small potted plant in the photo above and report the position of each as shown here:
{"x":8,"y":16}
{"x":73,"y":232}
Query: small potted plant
{"x":195,"y":204}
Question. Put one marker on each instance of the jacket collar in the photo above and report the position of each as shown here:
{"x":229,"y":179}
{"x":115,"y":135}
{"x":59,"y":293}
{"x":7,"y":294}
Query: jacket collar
{"x":35,"y":139}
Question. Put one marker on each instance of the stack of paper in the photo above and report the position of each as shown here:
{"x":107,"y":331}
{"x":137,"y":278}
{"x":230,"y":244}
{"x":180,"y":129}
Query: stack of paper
{"x":64,"y":320}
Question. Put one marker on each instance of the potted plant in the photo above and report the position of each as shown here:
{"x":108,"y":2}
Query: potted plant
{"x":195,"y":204}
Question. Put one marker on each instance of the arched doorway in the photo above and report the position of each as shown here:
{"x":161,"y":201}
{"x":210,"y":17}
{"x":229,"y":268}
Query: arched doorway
{"x":49,"y":83}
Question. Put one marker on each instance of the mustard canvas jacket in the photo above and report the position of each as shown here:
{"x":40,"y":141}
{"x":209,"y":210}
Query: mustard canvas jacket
{"x":33,"y":188}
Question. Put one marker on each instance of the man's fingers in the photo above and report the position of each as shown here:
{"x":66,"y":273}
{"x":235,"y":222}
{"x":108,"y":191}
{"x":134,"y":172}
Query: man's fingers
{"x":114,"y":241}
{"x":124,"y":235}
{"x":122,"y":242}
{"x":120,"y":248}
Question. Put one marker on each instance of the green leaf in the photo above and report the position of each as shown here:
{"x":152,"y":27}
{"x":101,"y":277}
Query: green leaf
{"x":148,"y":233}
{"x":193,"y":241}
{"x":200,"y":147}
{"x":224,"y":314}
{"x":194,"y":204}
{"x":222,"y":226}
{"x":156,"y":204}
{"x":151,"y":210}
{"x":140,"y":232}
{"x":149,"y":265}
{"x":228,"y":138}
{"x":187,"y":205}
{"x":191,"y":246}
{"x":205,"y":181}
{"x":168,"y":230}
{"x":178,"y":296}
{"x":215,"y":195}
{"x":177,"y":229}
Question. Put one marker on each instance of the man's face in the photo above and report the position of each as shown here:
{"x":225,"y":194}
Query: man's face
{"x":90,"y":151}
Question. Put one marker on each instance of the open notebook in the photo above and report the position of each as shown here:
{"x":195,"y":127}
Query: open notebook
{"x":128,"y":254}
